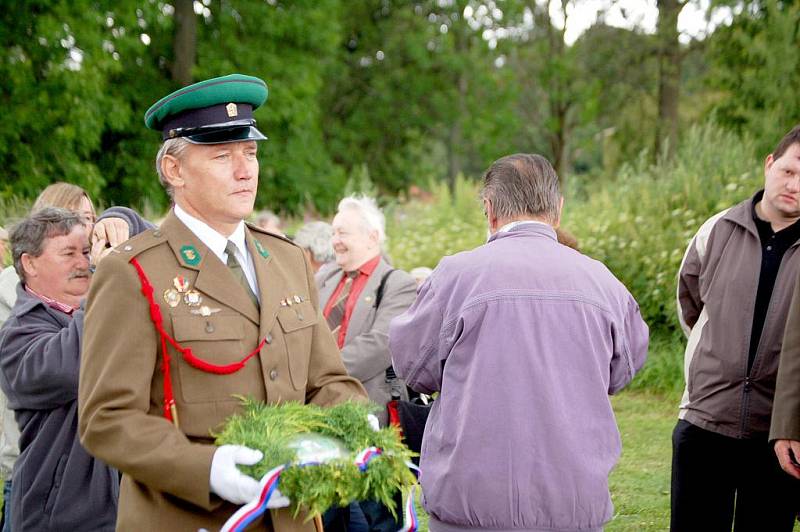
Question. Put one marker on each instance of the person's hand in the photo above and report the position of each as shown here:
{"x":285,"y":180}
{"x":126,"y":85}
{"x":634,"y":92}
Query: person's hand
{"x":106,"y":235}
{"x":788,"y":452}
{"x":113,"y":231}
{"x":373,"y":422}
{"x":226,"y":479}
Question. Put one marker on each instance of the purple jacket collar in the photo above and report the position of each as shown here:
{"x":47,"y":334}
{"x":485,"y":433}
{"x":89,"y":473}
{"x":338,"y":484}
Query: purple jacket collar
{"x":526,"y":229}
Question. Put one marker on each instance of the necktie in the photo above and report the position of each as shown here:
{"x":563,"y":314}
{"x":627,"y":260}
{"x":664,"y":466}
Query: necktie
{"x":238,"y":273}
{"x":336,"y":315}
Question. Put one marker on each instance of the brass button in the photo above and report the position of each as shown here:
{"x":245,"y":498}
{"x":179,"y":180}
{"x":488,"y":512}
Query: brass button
{"x":273,"y":374}
{"x":269,"y":338}
{"x":300,"y":316}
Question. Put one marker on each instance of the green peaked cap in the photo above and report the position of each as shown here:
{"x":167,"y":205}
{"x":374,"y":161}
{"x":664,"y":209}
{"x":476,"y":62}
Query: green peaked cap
{"x":211,"y":93}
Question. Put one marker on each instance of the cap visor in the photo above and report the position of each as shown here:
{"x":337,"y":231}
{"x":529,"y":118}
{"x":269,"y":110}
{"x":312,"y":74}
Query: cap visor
{"x":221,"y":136}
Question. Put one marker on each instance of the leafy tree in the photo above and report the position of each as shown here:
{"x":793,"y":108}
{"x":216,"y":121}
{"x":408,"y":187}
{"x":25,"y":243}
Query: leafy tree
{"x":757,"y":66}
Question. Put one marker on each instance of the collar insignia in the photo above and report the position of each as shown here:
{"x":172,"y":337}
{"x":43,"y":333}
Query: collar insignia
{"x":190,"y":255}
{"x":261,"y":250}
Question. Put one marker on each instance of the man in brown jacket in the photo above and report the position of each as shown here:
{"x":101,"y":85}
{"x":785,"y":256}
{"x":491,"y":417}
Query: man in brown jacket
{"x":734,"y":289}
{"x":182,"y":319}
{"x":785,"y":428}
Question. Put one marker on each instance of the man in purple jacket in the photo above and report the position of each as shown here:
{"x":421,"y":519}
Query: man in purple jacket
{"x":524,"y":339}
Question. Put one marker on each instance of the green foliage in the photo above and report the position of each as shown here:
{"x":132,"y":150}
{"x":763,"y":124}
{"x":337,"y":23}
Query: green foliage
{"x":269,"y":428}
{"x":640,"y":224}
{"x":421,"y":233}
{"x":663,"y":371}
{"x":757,"y":65}
{"x":13,"y":209}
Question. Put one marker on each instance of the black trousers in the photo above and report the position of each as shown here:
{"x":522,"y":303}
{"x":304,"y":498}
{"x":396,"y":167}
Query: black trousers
{"x":718,"y":481}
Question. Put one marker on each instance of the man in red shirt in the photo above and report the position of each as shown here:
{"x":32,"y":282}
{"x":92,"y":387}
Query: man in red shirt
{"x":361,"y":293}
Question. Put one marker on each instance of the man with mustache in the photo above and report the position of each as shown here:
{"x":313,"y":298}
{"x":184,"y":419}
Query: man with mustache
{"x":241,"y":299}
{"x":734,"y":290}
{"x":57,"y":484}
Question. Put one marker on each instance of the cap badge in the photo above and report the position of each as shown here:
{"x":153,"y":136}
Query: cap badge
{"x":172,"y":297}
{"x":181,"y":283}
{"x":232,"y":110}
{"x":190,"y":255}
{"x":192,"y":298}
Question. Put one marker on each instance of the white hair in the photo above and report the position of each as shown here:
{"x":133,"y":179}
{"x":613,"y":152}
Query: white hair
{"x":174,"y":147}
{"x":371,"y":215}
{"x":316,"y":238}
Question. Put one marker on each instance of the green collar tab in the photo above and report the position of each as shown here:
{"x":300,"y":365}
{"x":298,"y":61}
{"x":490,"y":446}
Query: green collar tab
{"x":261,"y":250}
{"x":190,"y":255}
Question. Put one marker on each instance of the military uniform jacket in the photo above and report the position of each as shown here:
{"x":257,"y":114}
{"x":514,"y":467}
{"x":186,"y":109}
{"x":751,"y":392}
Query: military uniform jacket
{"x":366,"y":345}
{"x":166,"y":470}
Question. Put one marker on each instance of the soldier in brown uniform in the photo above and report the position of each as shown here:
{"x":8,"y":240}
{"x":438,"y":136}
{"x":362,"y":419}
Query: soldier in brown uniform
{"x":183,"y":318}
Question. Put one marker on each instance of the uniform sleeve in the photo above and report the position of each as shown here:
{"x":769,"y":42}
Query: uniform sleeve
{"x":631,"y":339}
{"x":367,"y":355}
{"x":119,"y":360}
{"x":328,"y":381}
{"x":416,"y":342}
{"x":786,"y":407}
{"x":40,"y":360}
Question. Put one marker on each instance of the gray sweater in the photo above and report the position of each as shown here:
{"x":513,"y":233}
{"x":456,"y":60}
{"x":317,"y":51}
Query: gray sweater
{"x":57,"y":484}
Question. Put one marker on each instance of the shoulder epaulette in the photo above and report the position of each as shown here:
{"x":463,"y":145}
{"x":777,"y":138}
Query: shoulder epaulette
{"x":261,"y":231}
{"x":141,"y":242}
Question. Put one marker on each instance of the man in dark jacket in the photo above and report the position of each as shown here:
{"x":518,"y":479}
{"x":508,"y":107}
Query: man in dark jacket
{"x":734,"y":289}
{"x":58,"y":485}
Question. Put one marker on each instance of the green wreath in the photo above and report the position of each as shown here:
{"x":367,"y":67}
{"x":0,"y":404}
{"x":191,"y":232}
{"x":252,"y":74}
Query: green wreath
{"x":272,"y":428}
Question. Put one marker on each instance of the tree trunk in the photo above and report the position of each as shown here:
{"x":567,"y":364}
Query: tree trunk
{"x":184,"y":41}
{"x":669,"y":76}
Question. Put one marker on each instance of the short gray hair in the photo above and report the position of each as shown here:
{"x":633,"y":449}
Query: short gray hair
{"x":522,"y":185}
{"x":263,"y":218}
{"x":371,"y":216}
{"x":316,"y":238}
{"x":28,"y":236}
{"x":174,"y":147}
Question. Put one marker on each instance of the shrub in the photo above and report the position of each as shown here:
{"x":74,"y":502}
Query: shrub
{"x":420,"y":233}
{"x":640,"y":224}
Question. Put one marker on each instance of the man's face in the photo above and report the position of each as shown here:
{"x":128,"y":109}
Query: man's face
{"x":352,"y":243}
{"x":218,"y":182}
{"x":782,"y":183}
{"x":61,"y":272}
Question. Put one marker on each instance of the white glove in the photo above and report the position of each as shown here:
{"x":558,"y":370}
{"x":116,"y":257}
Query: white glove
{"x":226,"y":479}
{"x":278,"y":500}
{"x":373,"y":422}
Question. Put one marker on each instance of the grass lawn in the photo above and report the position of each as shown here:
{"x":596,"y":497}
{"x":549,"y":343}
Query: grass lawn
{"x":640,"y":482}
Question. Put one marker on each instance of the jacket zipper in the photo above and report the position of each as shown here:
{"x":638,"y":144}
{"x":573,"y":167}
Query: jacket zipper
{"x":748,"y":382}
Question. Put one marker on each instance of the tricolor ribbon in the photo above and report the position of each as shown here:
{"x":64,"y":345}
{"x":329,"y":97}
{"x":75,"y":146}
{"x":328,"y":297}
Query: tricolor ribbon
{"x":255,"y":508}
{"x":251,"y":511}
{"x":410,"y":519}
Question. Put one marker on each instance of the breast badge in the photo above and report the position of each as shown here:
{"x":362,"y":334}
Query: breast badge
{"x":181,"y":283}
{"x":204,"y":311}
{"x":172,"y":297}
{"x":192,"y":298}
